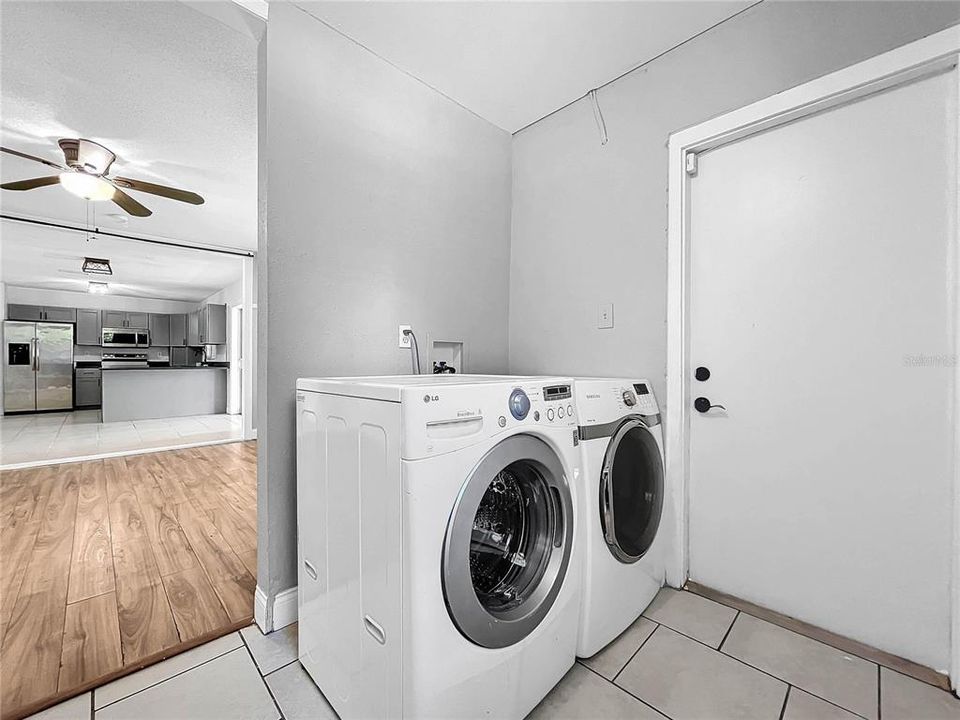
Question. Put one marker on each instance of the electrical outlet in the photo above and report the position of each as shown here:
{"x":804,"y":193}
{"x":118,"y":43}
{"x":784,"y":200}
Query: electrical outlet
{"x":605,"y":316}
{"x":404,"y":340}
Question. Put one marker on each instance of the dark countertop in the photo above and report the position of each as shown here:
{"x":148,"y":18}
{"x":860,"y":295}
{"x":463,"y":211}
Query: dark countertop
{"x":155,"y":368}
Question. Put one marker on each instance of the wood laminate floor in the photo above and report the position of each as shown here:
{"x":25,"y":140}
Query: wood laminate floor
{"x":109,"y":565}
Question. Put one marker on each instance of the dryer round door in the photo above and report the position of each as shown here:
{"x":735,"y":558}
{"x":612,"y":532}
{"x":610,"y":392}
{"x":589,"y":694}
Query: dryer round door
{"x":508,"y":542}
{"x":631,"y":491}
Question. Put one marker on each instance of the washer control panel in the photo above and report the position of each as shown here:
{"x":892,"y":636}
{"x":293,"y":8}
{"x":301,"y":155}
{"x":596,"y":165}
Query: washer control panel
{"x":547,"y":404}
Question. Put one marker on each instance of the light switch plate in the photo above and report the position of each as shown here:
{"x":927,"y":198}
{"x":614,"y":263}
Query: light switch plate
{"x":404,"y":340}
{"x":605,"y":316}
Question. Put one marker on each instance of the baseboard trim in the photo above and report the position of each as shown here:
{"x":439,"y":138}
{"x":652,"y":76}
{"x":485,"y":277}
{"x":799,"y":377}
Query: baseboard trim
{"x":275,"y":614}
{"x":840,"y":642}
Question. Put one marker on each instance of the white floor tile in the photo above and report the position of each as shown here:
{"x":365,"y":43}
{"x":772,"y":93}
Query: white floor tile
{"x":227,"y":687}
{"x":297,"y":695}
{"x":135,"y":682}
{"x":77,"y":708}
{"x":692,"y":615}
{"x":614,"y":657}
{"x":583,"y":694}
{"x":274,"y":650}
{"x":687,"y":680}
{"x":804,"y":706}
{"x":903,"y":698}
{"x":43,"y":437}
{"x":843,"y":679}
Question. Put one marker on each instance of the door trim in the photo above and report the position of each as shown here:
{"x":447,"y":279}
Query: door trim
{"x":934,"y":54}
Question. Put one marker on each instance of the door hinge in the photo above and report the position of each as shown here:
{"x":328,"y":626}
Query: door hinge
{"x":690,"y":163}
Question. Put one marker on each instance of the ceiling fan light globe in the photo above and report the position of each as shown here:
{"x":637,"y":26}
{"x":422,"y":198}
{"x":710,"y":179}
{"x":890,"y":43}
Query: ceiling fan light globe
{"x":89,"y":187}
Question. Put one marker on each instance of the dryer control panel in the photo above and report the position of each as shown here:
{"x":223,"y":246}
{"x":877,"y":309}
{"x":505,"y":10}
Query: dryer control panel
{"x":603,"y":400}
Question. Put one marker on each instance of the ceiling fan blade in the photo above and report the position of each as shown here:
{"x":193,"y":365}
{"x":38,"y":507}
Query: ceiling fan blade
{"x":129,"y":204}
{"x":162,"y":190}
{"x":32,"y":157}
{"x":31,"y":184}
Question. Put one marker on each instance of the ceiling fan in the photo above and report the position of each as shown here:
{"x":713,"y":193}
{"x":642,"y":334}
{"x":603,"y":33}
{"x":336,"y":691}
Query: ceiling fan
{"x":85,"y":175}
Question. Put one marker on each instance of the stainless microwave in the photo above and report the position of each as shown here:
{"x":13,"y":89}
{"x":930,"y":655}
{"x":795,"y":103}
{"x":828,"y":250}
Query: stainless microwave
{"x":125,"y":338}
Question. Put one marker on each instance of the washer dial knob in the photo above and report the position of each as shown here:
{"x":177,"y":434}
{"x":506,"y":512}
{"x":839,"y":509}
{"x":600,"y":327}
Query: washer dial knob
{"x":519,"y":404}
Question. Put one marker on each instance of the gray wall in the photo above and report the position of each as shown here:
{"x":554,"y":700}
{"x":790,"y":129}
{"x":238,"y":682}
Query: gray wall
{"x":590,"y":222}
{"x":387,"y":204}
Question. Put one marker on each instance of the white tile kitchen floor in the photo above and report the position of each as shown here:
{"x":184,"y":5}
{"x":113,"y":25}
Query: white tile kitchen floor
{"x":44,"y":438}
{"x":653,"y":671}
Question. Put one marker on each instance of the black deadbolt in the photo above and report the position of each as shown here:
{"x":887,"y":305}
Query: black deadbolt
{"x":702,"y":373}
{"x":702,"y":404}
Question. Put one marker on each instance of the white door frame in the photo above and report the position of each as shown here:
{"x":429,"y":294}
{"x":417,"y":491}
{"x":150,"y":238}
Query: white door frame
{"x":932,"y":54}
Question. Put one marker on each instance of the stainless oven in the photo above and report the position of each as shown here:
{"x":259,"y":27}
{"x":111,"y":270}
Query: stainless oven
{"x":125,"y":338}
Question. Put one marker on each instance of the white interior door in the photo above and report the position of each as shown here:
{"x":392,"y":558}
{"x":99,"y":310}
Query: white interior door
{"x":820,"y":257}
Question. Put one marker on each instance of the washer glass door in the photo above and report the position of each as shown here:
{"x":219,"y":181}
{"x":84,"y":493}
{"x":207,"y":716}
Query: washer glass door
{"x":508,"y":542}
{"x":631,"y":491}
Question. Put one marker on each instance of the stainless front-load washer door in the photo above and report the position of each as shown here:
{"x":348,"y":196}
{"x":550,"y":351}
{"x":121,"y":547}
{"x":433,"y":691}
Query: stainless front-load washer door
{"x":508,"y":542}
{"x":631,"y":491}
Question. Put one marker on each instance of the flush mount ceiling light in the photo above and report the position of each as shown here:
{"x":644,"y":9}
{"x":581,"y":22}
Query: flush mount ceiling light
{"x":97,"y":266}
{"x":86,"y":175}
{"x":97,"y":288}
{"x":89,"y":187}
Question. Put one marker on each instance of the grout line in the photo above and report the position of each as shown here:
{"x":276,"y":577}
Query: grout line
{"x":786,"y":698}
{"x":657,"y":627}
{"x":727,"y":633}
{"x":285,"y":665}
{"x":879,"y":695}
{"x":93,"y":706}
{"x":263,"y":677}
{"x":624,"y":690}
{"x":765,"y":672}
{"x":176,"y":675}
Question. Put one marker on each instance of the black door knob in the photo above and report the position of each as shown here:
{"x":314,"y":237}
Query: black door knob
{"x":702,"y":405}
{"x":702,"y":373}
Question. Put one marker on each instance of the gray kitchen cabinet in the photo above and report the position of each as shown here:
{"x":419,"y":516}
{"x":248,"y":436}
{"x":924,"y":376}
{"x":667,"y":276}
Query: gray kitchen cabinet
{"x":113,"y":318}
{"x":193,"y":328}
{"x":87,"y":388}
{"x":24,"y":312}
{"x":213,"y":324}
{"x":159,"y":330}
{"x":178,"y":330}
{"x":41,"y":313}
{"x":137,"y":320}
{"x":60,"y":314}
{"x":121,"y":319}
{"x":88,"y":327}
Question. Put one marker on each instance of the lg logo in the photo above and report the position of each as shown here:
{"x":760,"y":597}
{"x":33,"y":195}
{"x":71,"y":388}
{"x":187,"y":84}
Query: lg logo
{"x":430,"y":398}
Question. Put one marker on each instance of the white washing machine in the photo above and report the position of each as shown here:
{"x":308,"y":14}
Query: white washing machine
{"x":621,"y":495}
{"x":437,"y":571}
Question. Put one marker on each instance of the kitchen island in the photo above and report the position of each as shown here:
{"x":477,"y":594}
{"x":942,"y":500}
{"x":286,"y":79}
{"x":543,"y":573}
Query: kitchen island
{"x":162,"y":392}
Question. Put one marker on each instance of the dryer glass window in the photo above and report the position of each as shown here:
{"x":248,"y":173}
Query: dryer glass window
{"x":631,"y":492}
{"x":512,"y":538}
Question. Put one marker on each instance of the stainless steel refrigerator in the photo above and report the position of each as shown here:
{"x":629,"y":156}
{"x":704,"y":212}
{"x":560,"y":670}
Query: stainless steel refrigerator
{"x":37,"y":366}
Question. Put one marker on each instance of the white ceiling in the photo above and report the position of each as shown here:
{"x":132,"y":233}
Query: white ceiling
{"x":172,"y":91}
{"x":514,"y":62}
{"x":51,"y":259}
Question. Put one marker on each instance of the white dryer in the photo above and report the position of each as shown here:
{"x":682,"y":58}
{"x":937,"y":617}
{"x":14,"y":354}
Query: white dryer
{"x":621,"y":495}
{"x":437,"y":572}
